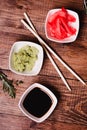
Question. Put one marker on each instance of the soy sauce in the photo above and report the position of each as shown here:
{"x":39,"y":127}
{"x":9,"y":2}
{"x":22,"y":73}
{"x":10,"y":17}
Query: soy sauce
{"x":37,"y":102}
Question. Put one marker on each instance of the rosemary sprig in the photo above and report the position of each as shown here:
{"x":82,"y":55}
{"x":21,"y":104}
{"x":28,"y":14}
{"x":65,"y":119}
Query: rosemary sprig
{"x":7,"y":85}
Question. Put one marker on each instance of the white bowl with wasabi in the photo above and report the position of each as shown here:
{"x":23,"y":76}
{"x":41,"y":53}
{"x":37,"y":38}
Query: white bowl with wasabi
{"x":26,"y":58}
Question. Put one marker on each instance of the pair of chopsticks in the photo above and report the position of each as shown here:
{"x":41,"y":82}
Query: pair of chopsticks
{"x":29,"y":25}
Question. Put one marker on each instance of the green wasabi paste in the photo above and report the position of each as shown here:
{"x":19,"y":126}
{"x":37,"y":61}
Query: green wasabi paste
{"x":25,"y":58}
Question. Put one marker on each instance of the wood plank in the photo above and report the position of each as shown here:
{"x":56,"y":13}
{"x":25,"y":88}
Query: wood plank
{"x":71,"y":107}
{"x":12,"y":30}
{"x":23,"y":123}
{"x":71,"y":110}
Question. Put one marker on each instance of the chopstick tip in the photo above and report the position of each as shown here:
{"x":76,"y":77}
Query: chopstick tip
{"x":25,"y":13}
{"x":22,"y":20}
{"x":85,"y":84}
{"x":69,"y":89}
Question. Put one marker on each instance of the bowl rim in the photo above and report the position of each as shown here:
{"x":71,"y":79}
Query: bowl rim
{"x":20,"y":44}
{"x":48,"y":92}
{"x":66,"y":40}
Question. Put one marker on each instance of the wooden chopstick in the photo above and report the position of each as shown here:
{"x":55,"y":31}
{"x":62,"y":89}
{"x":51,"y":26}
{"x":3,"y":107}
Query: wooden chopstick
{"x":58,"y":70}
{"x":48,"y":54}
{"x":57,"y":56}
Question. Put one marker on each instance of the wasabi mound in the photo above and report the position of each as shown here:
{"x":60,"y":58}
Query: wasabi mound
{"x":25,"y":58}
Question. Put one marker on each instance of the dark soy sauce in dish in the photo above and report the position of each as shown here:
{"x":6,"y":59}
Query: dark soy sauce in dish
{"x":37,"y":102}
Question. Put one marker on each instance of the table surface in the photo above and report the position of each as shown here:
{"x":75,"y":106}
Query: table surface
{"x":71,"y":110}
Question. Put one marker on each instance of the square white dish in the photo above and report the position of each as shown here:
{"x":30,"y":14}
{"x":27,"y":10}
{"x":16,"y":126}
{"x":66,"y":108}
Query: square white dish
{"x":46,"y":91}
{"x":38,"y":64}
{"x":73,"y":24}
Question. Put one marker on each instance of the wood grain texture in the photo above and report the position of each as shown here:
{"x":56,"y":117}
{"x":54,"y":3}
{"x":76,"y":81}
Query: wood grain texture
{"x":71,"y":110}
{"x":23,"y":123}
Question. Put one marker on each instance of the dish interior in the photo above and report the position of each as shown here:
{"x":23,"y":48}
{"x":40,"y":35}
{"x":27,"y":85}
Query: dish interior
{"x":37,"y":102}
{"x":75,"y":25}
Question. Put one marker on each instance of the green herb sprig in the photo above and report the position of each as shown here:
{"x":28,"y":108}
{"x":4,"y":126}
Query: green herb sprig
{"x":7,"y":85}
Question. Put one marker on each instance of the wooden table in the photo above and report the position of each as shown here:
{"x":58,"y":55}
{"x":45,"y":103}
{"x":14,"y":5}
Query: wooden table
{"x":71,"y":110}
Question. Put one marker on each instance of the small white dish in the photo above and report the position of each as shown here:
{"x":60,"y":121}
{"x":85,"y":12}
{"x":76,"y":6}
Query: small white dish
{"x":38,"y":64}
{"x":73,"y":24}
{"x":47,"y":92}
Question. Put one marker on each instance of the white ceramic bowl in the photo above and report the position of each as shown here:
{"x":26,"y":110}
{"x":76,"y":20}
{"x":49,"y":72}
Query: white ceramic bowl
{"x":45,"y":90}
{"x":73,"y":24}
{"x":38,"y":64}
